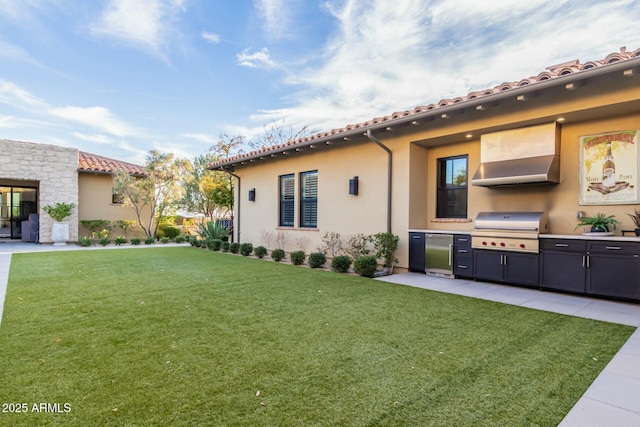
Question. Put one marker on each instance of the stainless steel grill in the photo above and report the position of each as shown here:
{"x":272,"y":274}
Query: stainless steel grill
{"x":509,"y":231}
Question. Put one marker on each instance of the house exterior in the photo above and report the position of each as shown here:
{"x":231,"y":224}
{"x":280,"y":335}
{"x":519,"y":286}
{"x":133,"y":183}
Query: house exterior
{"x":422,"y":169}
{"x":34,"y":175}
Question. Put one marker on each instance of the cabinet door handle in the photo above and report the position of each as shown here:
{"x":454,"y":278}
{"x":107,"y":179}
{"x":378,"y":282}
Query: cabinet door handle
{"x":463,"y":240}
{"x":417,"y":237}
{"x":450,"y":254}
{"x":587,"y":261}
{"x":462,"y":251}
{"x":464,"y":267}
{"x":584,"y":257}
{"x":613,"y":248}
{"x":561,"y":245}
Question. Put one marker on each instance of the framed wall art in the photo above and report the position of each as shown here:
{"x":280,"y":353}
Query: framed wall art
{"x":609,"y":168}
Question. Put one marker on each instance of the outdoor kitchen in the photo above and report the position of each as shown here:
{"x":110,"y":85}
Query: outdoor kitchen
{"x":543,"y":239}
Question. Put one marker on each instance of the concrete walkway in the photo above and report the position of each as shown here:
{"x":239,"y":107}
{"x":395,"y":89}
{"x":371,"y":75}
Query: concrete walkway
{"x":614,"y":397}
{"x":612,"y":400}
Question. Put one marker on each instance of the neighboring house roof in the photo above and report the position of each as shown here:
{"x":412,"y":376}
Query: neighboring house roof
{"x":566,"y":73}
{"x":92,"y":163}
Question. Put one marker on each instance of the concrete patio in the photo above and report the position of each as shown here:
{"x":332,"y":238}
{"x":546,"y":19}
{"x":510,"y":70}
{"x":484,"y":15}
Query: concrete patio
{"x":612,"y":399}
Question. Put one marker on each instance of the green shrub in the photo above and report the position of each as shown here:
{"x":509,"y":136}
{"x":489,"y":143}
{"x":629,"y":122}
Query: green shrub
{"x":180,"y":239}
{"x":171,"y":232}
{"x":246,"y":249}
{"x":386,"y":245}
{"x":214,"y":244}
{"x":104,"y":241}
{"x":165,"y":240}
{"x":159,"y":233}
{"x":317,"y":260}
{"x":135,"y":241}
{"x":225,"y":246}
{"x":297,"y":257}
{"x":234,"y":248}
{"x":149,"y":241}
{"x":341,"y":264}
{"x":277,"y":254}
{"x":120,"y":240}
{"x":260,"y":251}
{"x":366,"y":266}
{"x":59,"y":211}
{"x":85,"y":241}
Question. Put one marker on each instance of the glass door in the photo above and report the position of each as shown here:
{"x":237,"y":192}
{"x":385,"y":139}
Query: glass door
{"x":16,"y":203}
{"x":5,"y":212}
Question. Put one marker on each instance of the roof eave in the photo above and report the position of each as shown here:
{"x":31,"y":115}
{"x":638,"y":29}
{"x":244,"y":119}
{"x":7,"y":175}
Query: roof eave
{"x":628,"y":67}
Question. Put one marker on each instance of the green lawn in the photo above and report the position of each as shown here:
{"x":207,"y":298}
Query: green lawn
{"x":183,"y":336}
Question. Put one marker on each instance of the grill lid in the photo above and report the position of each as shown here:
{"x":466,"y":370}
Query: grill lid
{"x":513,"y":221}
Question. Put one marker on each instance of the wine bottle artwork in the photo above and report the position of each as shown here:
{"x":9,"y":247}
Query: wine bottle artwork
{"x":608,"y":169}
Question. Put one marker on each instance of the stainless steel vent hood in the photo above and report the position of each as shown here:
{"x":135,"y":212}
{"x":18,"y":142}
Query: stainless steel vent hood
{"x":520,"y":156}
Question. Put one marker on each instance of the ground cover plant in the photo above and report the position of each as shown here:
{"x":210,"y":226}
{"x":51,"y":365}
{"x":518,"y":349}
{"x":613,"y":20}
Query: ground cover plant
{"x":177,"y":336}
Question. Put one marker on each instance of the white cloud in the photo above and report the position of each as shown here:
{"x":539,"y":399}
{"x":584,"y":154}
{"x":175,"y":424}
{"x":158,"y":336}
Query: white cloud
{"x":277,"y":16}
{"x":143,"y":24}
{"x":259,"y":59}
{"x":16,"y":97}
{"x":14,"y":52}
{"x":93,"y":138}
{"x":98,"y":118}
{"x":390,"y":56}
{"x":210,"y":37}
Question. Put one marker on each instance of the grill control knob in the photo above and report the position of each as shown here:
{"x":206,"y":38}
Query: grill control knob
{"x":493,"y":243}
{"x":522,"y":245}
{"x":484,"y":243}
{"x":502,"y":244}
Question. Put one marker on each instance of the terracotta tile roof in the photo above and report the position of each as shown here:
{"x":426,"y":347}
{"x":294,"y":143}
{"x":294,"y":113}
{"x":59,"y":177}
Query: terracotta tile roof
{"x":93,"y":163}
{"x":552,"y":72}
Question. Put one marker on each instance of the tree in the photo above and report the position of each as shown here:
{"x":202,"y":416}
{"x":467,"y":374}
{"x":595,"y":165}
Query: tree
{"x":199,"y":187}
{"x":153,"y":195}
{"x":277,"y":134}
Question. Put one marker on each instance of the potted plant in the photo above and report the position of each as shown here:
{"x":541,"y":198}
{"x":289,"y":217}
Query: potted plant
{"x":58,"y":212}
{"x":635,"y":217}
{"x":599,"y":222}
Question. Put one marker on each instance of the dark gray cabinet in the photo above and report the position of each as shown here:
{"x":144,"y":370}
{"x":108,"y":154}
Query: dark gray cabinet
{"x":462,"y":256}
{"x":417,"y":252}
{"x":613,"y":269}
{"x":599,"y":268}
{"x":508,"y":267}
{"x":563,"y":265}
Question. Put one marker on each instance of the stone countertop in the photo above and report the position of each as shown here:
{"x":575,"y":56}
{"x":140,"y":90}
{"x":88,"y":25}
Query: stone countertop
{"x":591,"y":236}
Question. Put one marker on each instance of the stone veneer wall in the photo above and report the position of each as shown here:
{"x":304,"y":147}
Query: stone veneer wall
{"x":56,"y":170}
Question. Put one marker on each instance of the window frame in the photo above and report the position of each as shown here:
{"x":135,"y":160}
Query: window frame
{"x":449,"y":195}
{"x":308,"y":205}
{"x":286,"y":207}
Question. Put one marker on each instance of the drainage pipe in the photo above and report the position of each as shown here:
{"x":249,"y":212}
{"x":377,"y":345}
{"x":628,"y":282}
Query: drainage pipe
{"x":389,"y":170}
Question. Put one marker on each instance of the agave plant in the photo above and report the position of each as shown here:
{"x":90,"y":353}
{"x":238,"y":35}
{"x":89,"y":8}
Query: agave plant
{"x":212,"y":230}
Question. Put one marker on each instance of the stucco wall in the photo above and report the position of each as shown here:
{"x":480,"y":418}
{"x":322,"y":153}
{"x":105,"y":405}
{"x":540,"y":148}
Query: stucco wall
{"x":95,"y":192}
{"x":416,"y":151}
{"x":54,"y":168}
{"x":337,"y":210}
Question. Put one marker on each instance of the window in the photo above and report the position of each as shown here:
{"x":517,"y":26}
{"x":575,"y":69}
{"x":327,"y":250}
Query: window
{"x":309,"y":199}
{"x":287,"y":200}
{"x":452,"y":187}
{"x":117,"y":199}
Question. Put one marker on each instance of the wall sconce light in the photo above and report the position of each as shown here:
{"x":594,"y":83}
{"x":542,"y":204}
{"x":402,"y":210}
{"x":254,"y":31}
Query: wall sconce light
{"x":252,"y":195}
{"x":353,"y":186}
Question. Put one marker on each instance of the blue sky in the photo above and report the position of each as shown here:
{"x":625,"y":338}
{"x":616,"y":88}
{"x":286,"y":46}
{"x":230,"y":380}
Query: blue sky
{"x":121,"y":77}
